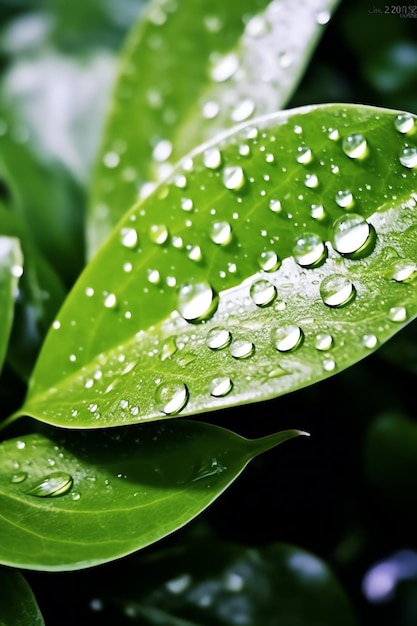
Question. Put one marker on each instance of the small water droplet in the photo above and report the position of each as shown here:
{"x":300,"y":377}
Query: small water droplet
{"x":56,"y":324}
{"x":218,"y":338}
{"x":370,"y":341}
{"x":221,"y":233}
{"x":243,"y":110}
{"x":311,"y":181}
{"x":323,"y":17}
{"x":397,"y":314}
{"x":257,"y":26}
{"x":162,"y":151}
{"x":408,"y":157}
{"x":75,"y":495}
{"x":220,"y":386}
{"x":275,"y":206}
{"x":110,"y":301}
{"x":404,"y":123}
{"x":241,"y":349}
{"x":309,"y":250}
{"x":153,"y":276}
{"x":187,"y":204}
{"x":20,"y":477}
{"x":129,"y":237}
{"x":329,"y":365}
{"x":269,"y":261}
{"x":158,"y":233}
{"x":323,"y":342}
{"x":304,"y":155}
{"x":195,"y":253}
{"x":333,"y":134}
{"x":285,"y":60}
{"x":344,"y":198}
{"x":233,"y":177}
{"x":211,"y":110}
{"x":355,"y":146}
{"x":244,"y":149}
{"x":262,"y":292}
{"x":224,"y":68}
{"x":212,"y":158}
{"x":171,"y":397}
{"x":351,"y":233}
{"x":337,"y":290}
{"x":180,"y":181}
{"x":197,"y":301}
{"x":286,"y":338}
{"x":55,"y":484}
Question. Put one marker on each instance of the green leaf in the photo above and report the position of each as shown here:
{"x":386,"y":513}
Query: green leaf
{"x":18,"y":606}
{"x":11,"y":268}
{"x":241,"y":283}
{"x":77,"y":500}
{"x":277,"y":584}
{"x":188,"y":71}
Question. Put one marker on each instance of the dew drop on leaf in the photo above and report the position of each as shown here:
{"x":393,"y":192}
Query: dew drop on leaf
{"x":241,"y":349}
{"x":336,"y":290}
{"x":220,"y":387}
{"x":323,"y":342}
{"x":350,"y":233}
{"x":344,"y":198}
{"x":224,"y":68}
{"x":317,"y":211}
{"x":397,"y":314}
{"x":304,"y":155}
{"x":408,"y":157}
{"x":262,"y":292}
{"x":129,"y":237}
{"x":309,"y":250}
{"x":187,"y":204}
{"x":286,"y":338}
{"x":404,"y":123}
{"x":221,"y":233}
{"x":403,"y":270}
{"x":55,"y":484}
{"x":268,"y":261}
{"x":275,"y":206}
{"x":311,"y":181}
{"x":369,"y":341}
{"x":169,"y":348}
{"x":212,"y":158}
{"x":110,"y":301}
{"x":243,"y":110}
{"x":171,"y":397}
{"x":355,"y":146}
{"x":196,"y":301}
{"x":329,"y":365}
{"x":19,"y":477}
{"x":233,"y":177}
{"x":158,"y":233}
{"x":218,"y":338}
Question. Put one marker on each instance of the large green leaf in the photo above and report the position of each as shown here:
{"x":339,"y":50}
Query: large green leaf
{"x":73,"y":501}
{"x":18,"y":606}
{"x":256,"y":269}
{"x":11,"y":268}
{"x":189,"y":70}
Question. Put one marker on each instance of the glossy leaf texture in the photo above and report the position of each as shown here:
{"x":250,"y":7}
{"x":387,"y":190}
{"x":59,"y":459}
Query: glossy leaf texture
{"x":11,"y":268}
{"x":70,"y":501}
{"x":18,"y":606}
{"x":271,"y":259}
{"x":189,"y":70}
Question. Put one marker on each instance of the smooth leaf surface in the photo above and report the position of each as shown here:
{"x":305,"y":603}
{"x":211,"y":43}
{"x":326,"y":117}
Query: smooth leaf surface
{"x":285,"y":264}
{"x":277,"y":584}
{"x":73,"y":501}
{"x":188,"y":71}
{"x":11,"y":267}
{"x":18,"y":606}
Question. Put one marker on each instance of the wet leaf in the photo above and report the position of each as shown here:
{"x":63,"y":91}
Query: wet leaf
{"x":188,"y":71}
{"x":76,"y":500}
{"x":11,"y":268}
{"x":17,"y":604}
{"x":287,"y":263}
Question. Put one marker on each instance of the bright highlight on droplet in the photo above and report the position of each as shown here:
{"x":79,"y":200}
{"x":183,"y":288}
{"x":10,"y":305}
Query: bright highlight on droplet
{"x":262,"y":292}
{"x":233,"y":177}
{"x":286,"y":338}
{"x":171,"y":397}
{"x":220,"y":387}
{"x":309,"y":250}
{"x":218,"y":338}
{"x":55,"y":484}
{"x":336,"y":290}
{"x":350,"y":233}
{"x":196,"y":301}
{"x":355,"y":146}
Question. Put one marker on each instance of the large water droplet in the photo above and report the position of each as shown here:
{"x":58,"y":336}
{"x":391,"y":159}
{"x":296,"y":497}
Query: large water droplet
{"x":20,"y":477}
{"x":221,"y":233}
{"x":404,"y":123}
{"x":262,"y":292}
{"x":337,"y":290}
{"x":55,"y":484}
{"x":355,"y":146}
{"x":233,"y":177}
{"x":158,"y":233}
{"x":344,"y":198}
{"x":309,"y":250}
{"x":351,"y":233}
{"x":220,"y":387}
{"x":408,"y":157}
{"x":286,"y":338}
{"x":241,"y":349}
{"x":218,"y":338}
{"x":269,"y":261}
{"x":403,"y":270}
{"x":212,"y":158}
{"x":197,"y":301}
{"x":171,"y":397}
{"x":397,"y":314}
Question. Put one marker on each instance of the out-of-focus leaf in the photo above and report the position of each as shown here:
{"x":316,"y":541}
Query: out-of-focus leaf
{"x":18,"y":606}
{"x":188,"y":71}
{"x":272,"y":258}
{"x":81,"y":499}
{"x":11,"y":268}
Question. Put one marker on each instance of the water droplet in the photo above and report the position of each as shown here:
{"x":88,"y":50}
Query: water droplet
{"x":110,"y":301}
{"x":329,"y":365}
{"x":262,"y":292}
{"x":180,"y":181}
{"x":304,"y":155}
{"x":285,"y":60}
{"x":323,"y":342}
{"x":153,"y":276}
{"x":404,"y":123}
{"x":244,"y":149}
{"x":224,"y":68}
{"x":286,"y":338}
{"x":210,"y":110}
{"x":20,"y":477}
{"x":337,"y":290}
{"x":344,"y":198}
{"x":169,"y":348}
{"x":403,"y":270}
{"x":309,"y":250}
{"x":187,"y":204}
{"x":333,"y":134}
{"x":317,"y":211}
{"x":351,"y":233}
{"x":212,"y":158}
{"x":162,"y":151}
{"x":323,"y":17}
{"x":56,"y":324}
{"x":111,"y":160}
{"x":158,"y":233}
{"x":171,"y":397}
{"x":243,"y":110}
{"x":257,"y":26}
{"x":218,"y":338}
{"x":269,"y":261}
{"x":55,"y":484}
{"x":220,"y":387}
{"x":195,"y":253}
{"x":408,"y":157}
{"x":355,"y":146}
{"x":197,"y":301}
{"x":275,"y":206}
{"x":75,"y":495}
{"x":16,"y":271}
{"x":221,"y":233}
{"x":129,"y":237}
{"x":241,"y":349}
{"x":369,"y":341}
{"x":233,"y":177}
{"x":397,"y":314}
{"x":311,"y":181}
